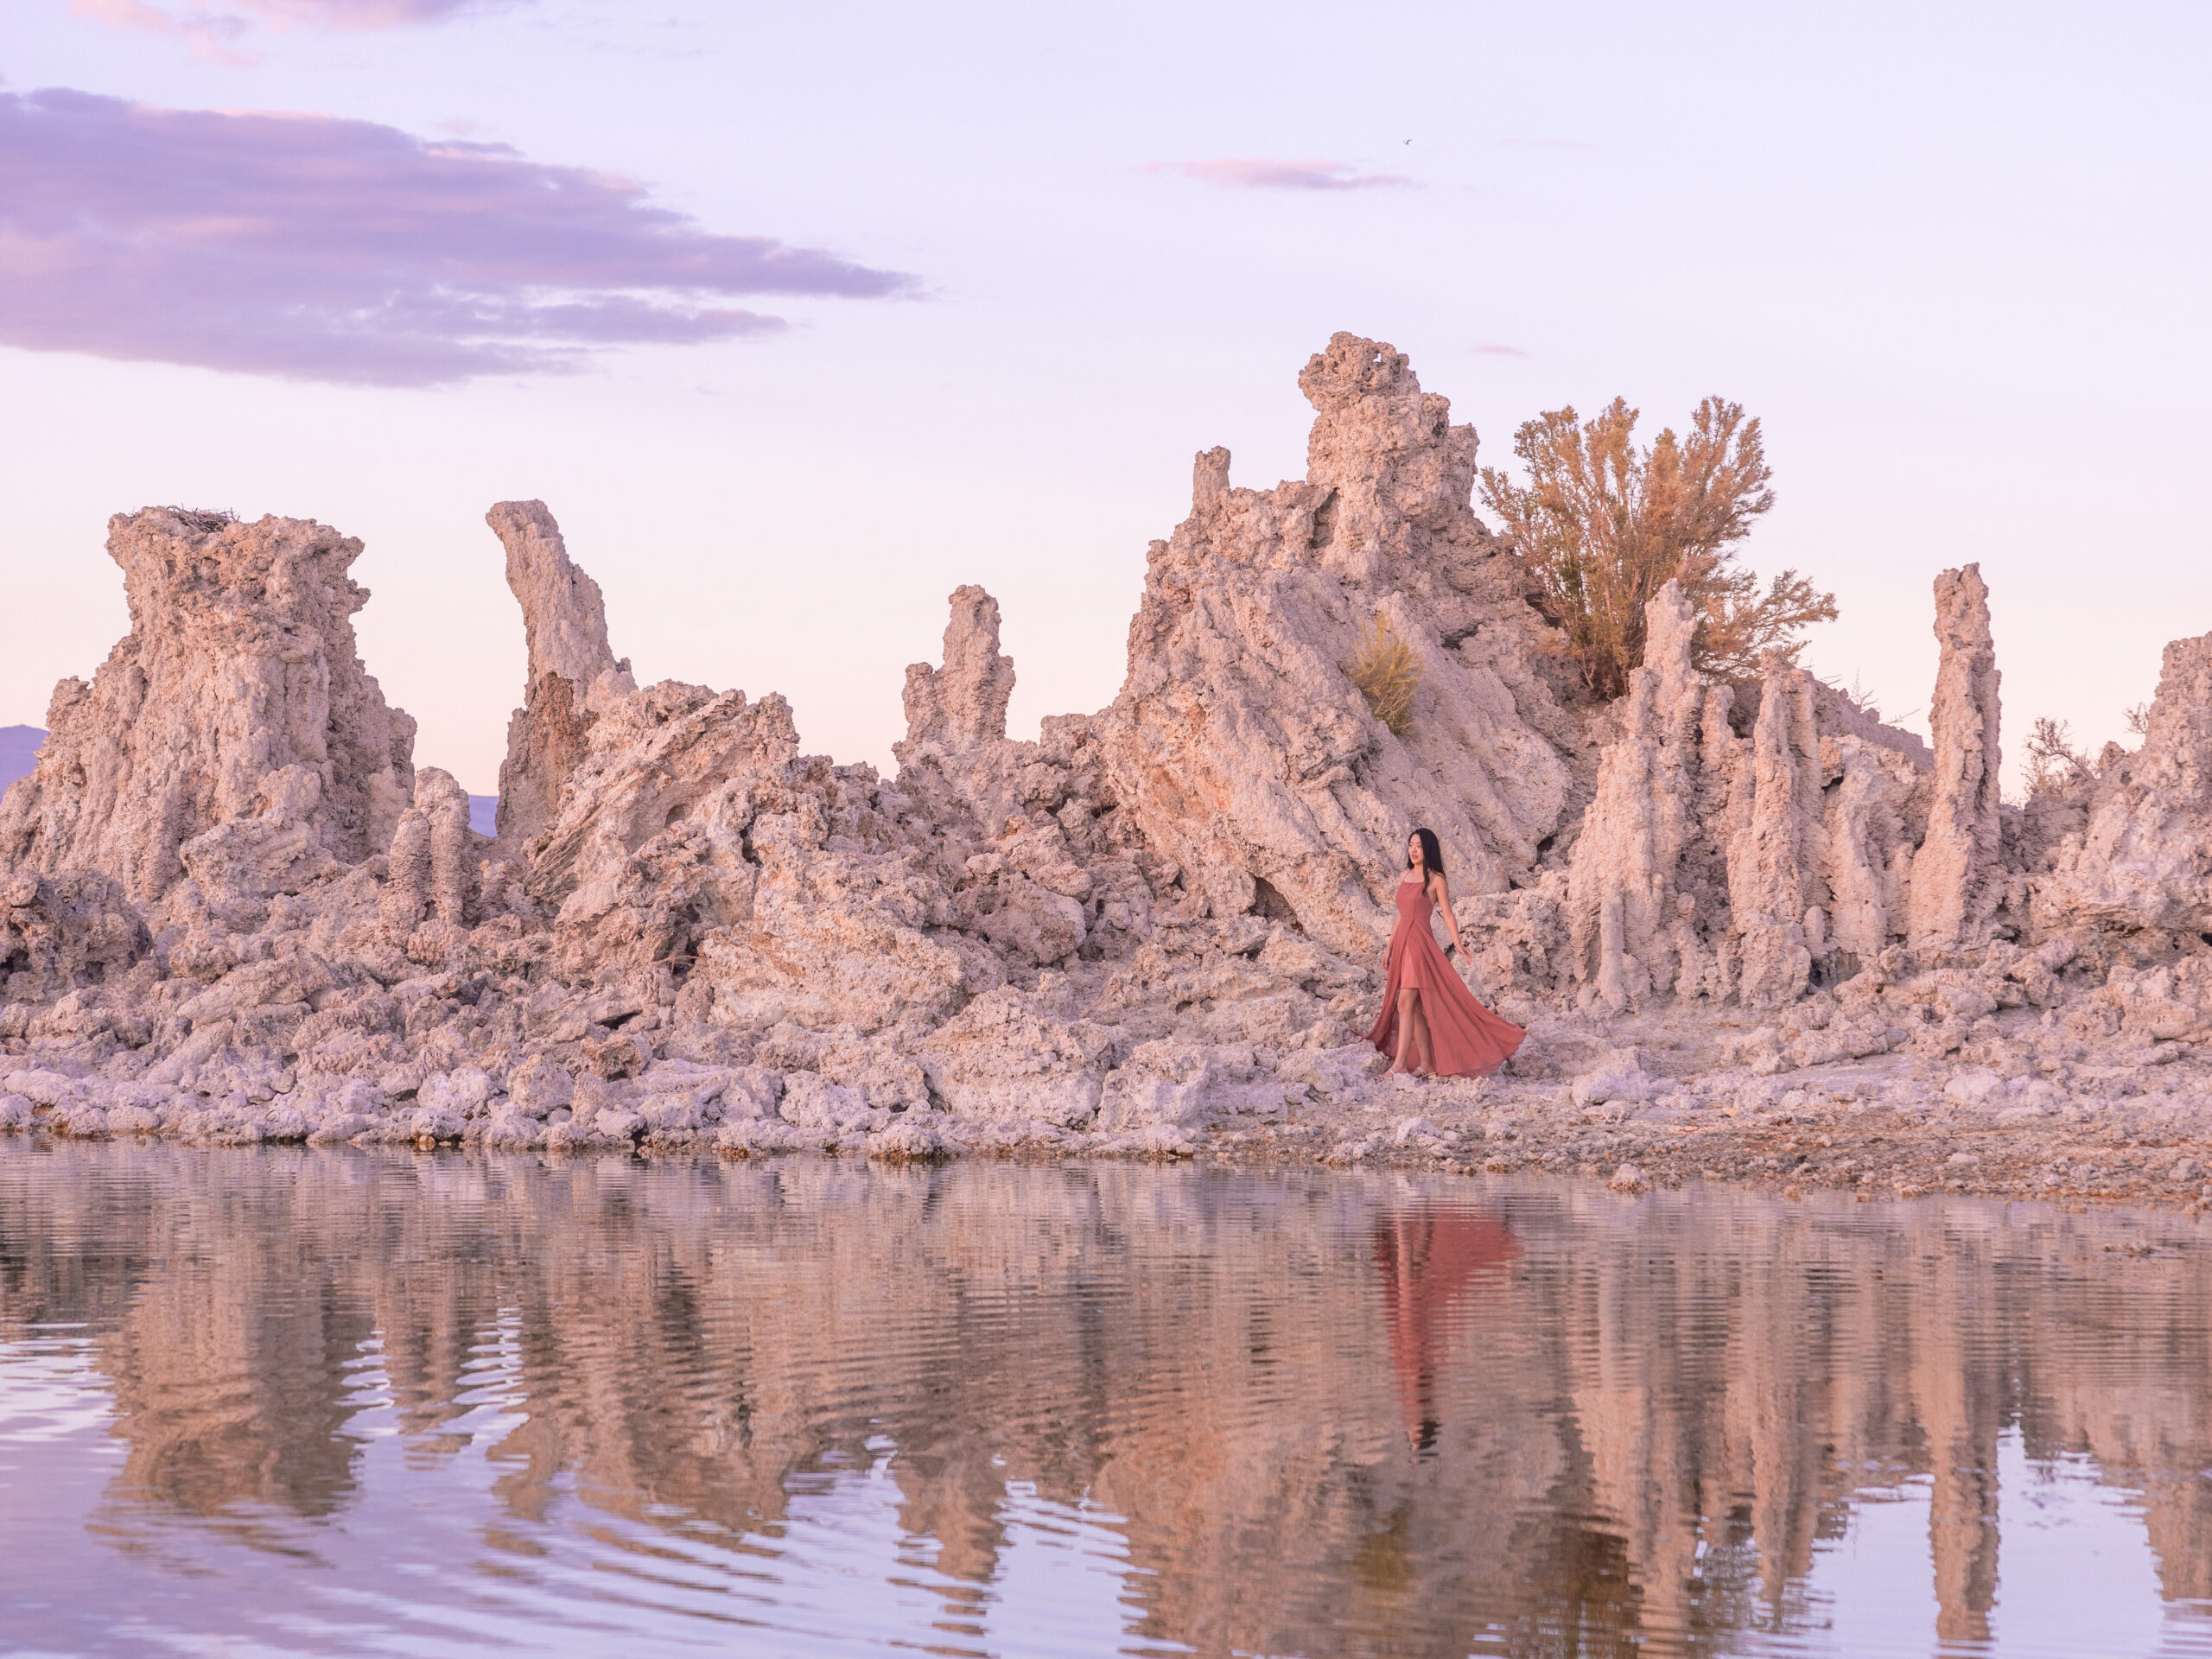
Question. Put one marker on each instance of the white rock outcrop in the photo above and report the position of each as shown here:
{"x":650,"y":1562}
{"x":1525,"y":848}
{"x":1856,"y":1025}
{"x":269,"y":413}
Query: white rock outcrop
{"x":1239,"y":746}
{"x":1775,"y":889}
{"x":236,"y":702}
{"x":1956,"y":887}
{"x":1713,"y":867}
{"x":962,"y":706}
{"x":1640,"y":923}
{"x":573,"y":674}
{"x":431,"y":872}
{"x":2143,"y":864}
{"x":232,"y":908}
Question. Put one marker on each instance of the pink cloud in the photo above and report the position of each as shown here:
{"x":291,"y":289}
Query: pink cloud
{"x":355,"y":13}
{"x":1498,"y":351}
{"x":213,"y":27}
{"x":322,"y":249}
{"x":211,"y":36}
{"x":1259,"y":173}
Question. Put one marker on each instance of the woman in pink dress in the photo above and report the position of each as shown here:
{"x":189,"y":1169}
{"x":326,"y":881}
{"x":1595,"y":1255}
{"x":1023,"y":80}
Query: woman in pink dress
{"x":1430,"y":1025}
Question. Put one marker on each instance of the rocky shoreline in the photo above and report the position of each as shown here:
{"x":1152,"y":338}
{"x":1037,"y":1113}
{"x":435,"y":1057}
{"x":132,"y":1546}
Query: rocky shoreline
{"x":1757,"y":934}
{"x":2036,"y":1125}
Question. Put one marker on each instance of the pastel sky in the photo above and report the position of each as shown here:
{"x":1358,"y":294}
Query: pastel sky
{"x":799,"y":316}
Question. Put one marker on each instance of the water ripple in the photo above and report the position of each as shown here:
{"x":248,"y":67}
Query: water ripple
{"x":293,"y":1402}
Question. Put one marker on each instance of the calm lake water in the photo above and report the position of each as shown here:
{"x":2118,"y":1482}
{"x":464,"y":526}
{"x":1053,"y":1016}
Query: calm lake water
{"x":267,"y":1402}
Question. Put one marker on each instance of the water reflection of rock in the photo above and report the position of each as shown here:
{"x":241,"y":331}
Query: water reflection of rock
{"x":1323,"y":1405}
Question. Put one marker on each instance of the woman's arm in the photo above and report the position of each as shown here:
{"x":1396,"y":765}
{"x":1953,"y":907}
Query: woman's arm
{"x":1442,"y":894}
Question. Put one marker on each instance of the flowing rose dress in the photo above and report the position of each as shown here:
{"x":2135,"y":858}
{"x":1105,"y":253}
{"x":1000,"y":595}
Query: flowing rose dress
{"x":1467,"y":1038}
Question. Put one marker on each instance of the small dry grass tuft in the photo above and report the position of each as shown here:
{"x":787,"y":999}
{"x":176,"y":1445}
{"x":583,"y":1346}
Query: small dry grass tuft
{"x":1388,"y":673}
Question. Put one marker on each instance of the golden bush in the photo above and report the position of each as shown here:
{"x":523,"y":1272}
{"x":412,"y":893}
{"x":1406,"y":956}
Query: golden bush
{"x":1604,"y":525}
{"x":1388,"y":673}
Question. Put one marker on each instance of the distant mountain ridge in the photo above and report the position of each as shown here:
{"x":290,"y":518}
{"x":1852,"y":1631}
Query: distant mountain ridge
{"x":19,"y":754}
{"x":18,"y":751}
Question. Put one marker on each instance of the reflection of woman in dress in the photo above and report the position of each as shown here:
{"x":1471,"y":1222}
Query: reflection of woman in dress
{"x":1431,"y":1025}
{"x":1432,"y":1259}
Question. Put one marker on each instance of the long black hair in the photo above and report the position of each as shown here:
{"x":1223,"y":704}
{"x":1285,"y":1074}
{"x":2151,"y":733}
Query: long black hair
{"x":1432,"y":855}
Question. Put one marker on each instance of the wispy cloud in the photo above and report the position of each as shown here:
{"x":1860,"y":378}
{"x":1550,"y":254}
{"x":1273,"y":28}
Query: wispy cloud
{"x":211,"y":37}
{"x":317,"y":248}
{"x":213,"y":28}
{"x":1261,"y":173}
{"x":1490,"y":350}
{"x":353,"y":14}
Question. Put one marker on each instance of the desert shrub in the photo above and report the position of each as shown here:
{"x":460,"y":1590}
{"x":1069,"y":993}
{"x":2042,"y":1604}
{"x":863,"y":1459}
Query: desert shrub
{"x":2053,"y":761}
{"x":1604,"y":526}
{"x":1388,"y":673}
{"x":1867,"y":698}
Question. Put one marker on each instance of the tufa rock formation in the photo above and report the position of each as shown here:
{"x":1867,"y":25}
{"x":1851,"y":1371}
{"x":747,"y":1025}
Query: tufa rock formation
{"x":2141,"y":862}
{"x":962,"y":707}
{"x":573,"y":676}
{"x":431,"y":874}
{"x":1252,"y":765}
{"x":230,"y":907}
{"x":1955,"y":870}
{"x":232,"y":733}
{"x":1643,"y":864}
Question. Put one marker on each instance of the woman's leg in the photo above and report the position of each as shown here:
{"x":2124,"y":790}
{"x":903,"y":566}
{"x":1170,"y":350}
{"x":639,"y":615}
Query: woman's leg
{"x":1424,"y":1050}
{"x":1403,"y":1060}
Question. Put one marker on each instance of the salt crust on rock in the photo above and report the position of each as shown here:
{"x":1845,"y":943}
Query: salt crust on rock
{"x":231,"y":908}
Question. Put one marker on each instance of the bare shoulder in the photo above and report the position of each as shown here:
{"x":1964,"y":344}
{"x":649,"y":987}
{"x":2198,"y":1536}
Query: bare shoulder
{"x":1438,"y":890}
